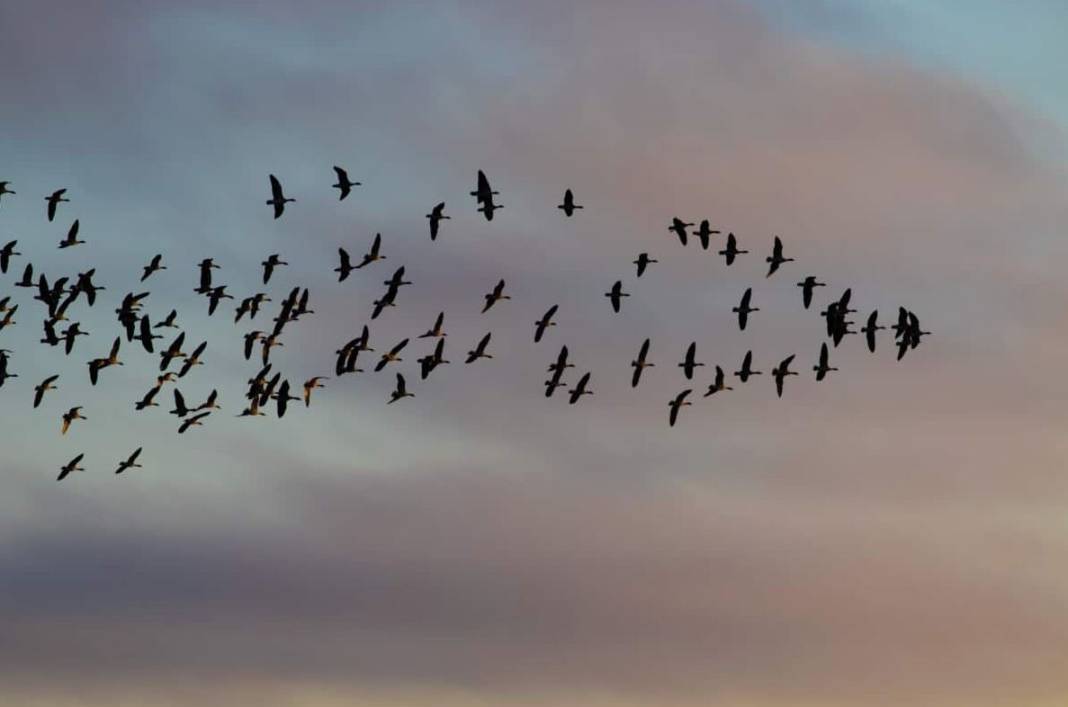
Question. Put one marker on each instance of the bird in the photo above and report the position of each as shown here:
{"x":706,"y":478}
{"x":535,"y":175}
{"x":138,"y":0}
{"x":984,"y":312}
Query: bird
{"x":146,"y":336}
{"x":4,"y":188}
{"x":215,"y":296}
{"x":282,"y":398}
{"x":436,"y":216}
{"x":580,"y":389}
{"x":169,"y":322}
{"x":870,"y":328}
{"x":675,"y":404}
{"x":210,"y":403}
{"x":776,"y":259}
{"x":643,"y":262}
{"x":484,"y":195}
{"x":436,"y":331}
{"x":27,"y":277}
{"x":615,"y":294}
{"x":41,"y":388}
{"x":53,"y":201}
{"x":544,"y":323}
{"x":130,"y":462}
{"x":194,"y":421}
{"x":273,"y":261}
{"x":72,"y":237}
{"x":345,"y":267}
{"x":154,"y":266}
{"x":781,"y":371}
{"x":193,"y":359}
{"x":480,"y":350}
{"x":431,"y":361}
{"x":569,"y":205}
{"x":70,"y":416}
{"x":391,"y":355}
{"x":688,"y":363}
{"x":180,"y":408}
{"x":373,"y":255}
{"x":640,"y":364}
{"x":807,"y":285}
{"x":401,"y":391}
{"x":823,"y":367}
{"x":678,"y":227}
{"x":344,"y":185}
{"x":6,"y":253}
{"x":493,"y":297}
{"x":206,"y":266}
{"x":310,"y":385}
{"x":278,"y":199}
{"x":743,"y":309}
{"x":149,"y":398}
{"x":173,"y":351}
{"x":747,"y":368}
{"x":719,"y":383}
{"x":731,"y":251}
{"x":70,"y":466}
{"x":704,"y":233}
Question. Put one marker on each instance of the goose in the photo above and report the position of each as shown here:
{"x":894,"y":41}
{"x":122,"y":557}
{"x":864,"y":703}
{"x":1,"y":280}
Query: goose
{"x":704,"y":233}
{"x":391,"y":355}
{"x":50,"y":331}
{"x":206,"y":266}
{"x":640,"y":364}
{"x":396,"y":280}
{"x":146,"y":336}
{"x":72,"y":236}
{"x":310,"y":385}
{"x":53,"y":202}
{"x":211,"y":403}
{"x":266,"y":344}
{"x":257,"y":300}
{"x":688,"y":363}
{"x":215,"y":296}
{"x":278,"y":199}
{"x":781,"y":371}
{"x":70,"y":416}
{"x":9,"y":318}
{"x":41,"y":388}
{"x":27,"y":277}
{"x":346,"y":265}
{"x":807,"y":285}
{"x":484,"y":196}
{"x":436,"y":216}
{"x":823,"y":367}
{"x":561,"y":362}
{"x":401,"y":391}
{"x":172,"y":352}
{"x":569,"y":205}
{"x":552,"y":384}
{"x":719,"y":384}
{"x":776,"y":259}
{"x":180,"y":408}
{"x":70,"y":466}
{"x":154,"y":266}
{"x":4,"y":373}
{"x":678,"y":227}
{"x":6,"y":253}
{"x":282,"y":398}
{"x":98,"y":364}
{"x":731,"y":251}
{"x":676,"y":403}
{"x":250,"y":340}
{"x":743,"y":309}
{"x":436,"y":331}
{"x":4,"y":188}
{"x":870,"y":328}
{"x":193,"y":359}
{"x":169,"y":322}
{"x":149,"y":398}
{"x":431,"y":361}
{"x":615,"y":294}
{"x":194,"y":421}
{"x":544,"y":323}
{"x":480,"y":350}
{"x":373,"y":254}
{"x":344,"y":184}
{"x":643,"y":262}
{"x":747,"y":368}
{"x":252,"y":410}
{"x":273,"y":261}
{"x":493,"y":297}
{"x":579,"y":390}
{"x":130,"y":463}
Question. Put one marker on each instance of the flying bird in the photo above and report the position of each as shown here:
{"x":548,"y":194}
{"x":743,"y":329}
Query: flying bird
{"x":643,"y":262}
{"x":373,"y":255}
{"x":345,"y":267}
{"x":823,"y":367}
{"x":731,"y":251}
{"x":130,"y":462}
{"x":569,"y":205}
{"x":640,"y":364}
{"x":154,"y":266}
{"x":480,"y":350}
{"x":437,"y":331}
{"x":675,"y":404}
{"x":580,"y":389}
{"x":70,"y":466}
{"x":689,"y":363}
{"x":807,"y":286}
{"x":401,"y":391}
{"x":719,"y":384}
{"x":615,"y":294}
{"x":747,"y":368}
{"x":70,"y":416}
{"x":53,"y":201}
{"x":781,"y":371}
{"x":310,"y":385}
{"x":743,"y":309}
{"x":343,"y":185}
{"x":493,"y":297}
{"x":704,"y":233}
{"x":278,"y":200}
{"x":776,"y":259}
{"x":678,"y":227}
{"x":194,"y":421}
{"x":391,"y":355}
{"x":41,"y":388}
{"x":6,"y":253}
{"x":870,"y":328}
{"x":436,"y":216}
{"x":273,"y":261}
{"x":545,"y":322}
{"x":72,"y":237}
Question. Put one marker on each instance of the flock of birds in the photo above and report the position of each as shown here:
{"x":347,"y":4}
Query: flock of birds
{"x":264,"y":388}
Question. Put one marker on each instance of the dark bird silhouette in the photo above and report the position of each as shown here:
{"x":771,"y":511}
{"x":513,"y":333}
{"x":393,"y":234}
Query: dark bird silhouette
{"x":269,"y":265}
{"x":266,"y":344}
{"x":206,"y":266}
{"x":580,"y":389}
{"x":807,"y":286}
{"x":557,"y":369}
{"x":180,"y":408}
{"x":720,"y":383}
{"x":193,"y":421}
{"x":391,"y":355}
{"x":704,"y":233}
{"x":484,"y":195}
{"x":310,"y":385}
{"x":640,"y":364}
{"x":6,"y":253}
{"x":345,"y":267}
{"x":743,"y":309}
{"x":870,"y":328}
{"x":70,"y":416}
{"x":41,"y":388}
{"x":72,"y":236}
{"x":373,"y":254}
{"x":401,"y":391}
{"x":731,"y":251}
{"x":154,"y":266}
{"x":49,"y":327}
{"x":70,"y":466}
{"x":169,"y":322}
{"x":215,"y":296}
{"x":278,"y":199}
{"x":436,"y":216}
{"x":98,"y":364}
{"x":53,"y":202}
{"x":282,"y":398}
{"x":431,"y":361}
{"x":569,"y":205}
{"x":344,"y":184}
{"x":70,"y":334}
{"x":437,"y":331}
{"x":27,"y":277}
{"x":643,"y":262}
{"x":689,"y":363}
{"x":776,"y":259}
{"x":146,"y":336}
{"x":193,"y":359}
{"x":148,"y":401}
{"x":493,"y":297}
{"x":675,"y":404}
{"x":781,"y":371}
{"x":678,"y":227}
{"x":615,"y":294}
{"x":172,"y":352}
{"x":4,"y":188}
{"x":544,"y":323}
{"x":9,"y":318}
{"x":747,"y":368}
{"x":480,"y":350}
{"x":823,"y":367}
{"x":130,"y":463}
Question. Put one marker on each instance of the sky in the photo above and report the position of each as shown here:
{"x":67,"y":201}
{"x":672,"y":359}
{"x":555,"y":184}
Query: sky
{"x":894,"y":534}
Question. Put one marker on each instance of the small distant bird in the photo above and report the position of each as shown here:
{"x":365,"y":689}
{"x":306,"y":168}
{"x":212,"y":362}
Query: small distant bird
{"x":776,"y":259}
{"x":193,"y":359}
{"x":436,"y":215}
{"x":72,"y":237}
{"x":153,"y":266}
{"x":870,"y":329}
{"x":569,"y":205}
{"x":676,"y":403}
{"x":689,"y":363}
{"x":278,"y":200}
{"x":70,"y":466}
{"x":545,"y":322}
{"x":719,"y":384}
{"x":807,"y":285}
{"x":373,"y":255}
{"x":194,"y":421}
{"x":401,"y":391}
{"x":269,"y":265}
{"x":53,"y":201}
{"x":678,"y":227}
{"x":6,"y":253}
{"x":437,"y":331}
{"x":704,"y":233}
{"x":747,"y":368}
{"x":130,"y":463}
{"x":480,"y":350}
{"x":310,"y":385}
{"x":615,"y":294}
{"x":781,"y":371}
{"x":70,"y":416}
{"x":346,"y":265}
{"x":484,"y":195}
{"x":391,"y":355}
{"x":148,"y":401}
{"x":580,"y":389}
{"x":41,"y":388}
{"x":640,"y":364}
{"x":169,"y":322}
{"x":27,"y":277}
{"x":823,"y":367}
{"x":493,"y":297}
{"x":743,"y":309}
{"x":211,"y":402}
{"x":344,"y":185}
{"x":643,"y":262}
{"x":731,"y":251}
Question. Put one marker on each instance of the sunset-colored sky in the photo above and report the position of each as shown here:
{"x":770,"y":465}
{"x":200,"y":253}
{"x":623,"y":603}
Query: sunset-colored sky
{"x":896,"y":534}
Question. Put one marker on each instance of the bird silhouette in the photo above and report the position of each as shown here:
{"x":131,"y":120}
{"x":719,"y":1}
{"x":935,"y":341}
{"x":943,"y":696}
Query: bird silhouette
{"x":544,"y":323}
{"x":401,"y":391}
{"x":743,"y":309}
{"x":640,"y":364}
{"x":675,"y":404}
{"x":278,"y":200}
{"x":569,"y":205}
{"x":689,"y":363}
{"x":495,"y":296}
{"x":747,"y":368}
{"x":480,"y":350}
{"x":780,"y":372}
{"x":678,"y":227}
{"x":343,"y":184}
{"x":54,"y":199}
{"x":580,"y":389}
{"x":643,"y":262}
{"x":823,"y":367}
{"x":704,"y":233}
{"x":730,"y":252}
{"x":130,"y":462}
{"x":807,"y":285}
{"x":719,"y":384}
{"x":436,"y":216}
{"x":615,"y":294}
{"x":776,"y":258}
{"x":72,"y":465}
